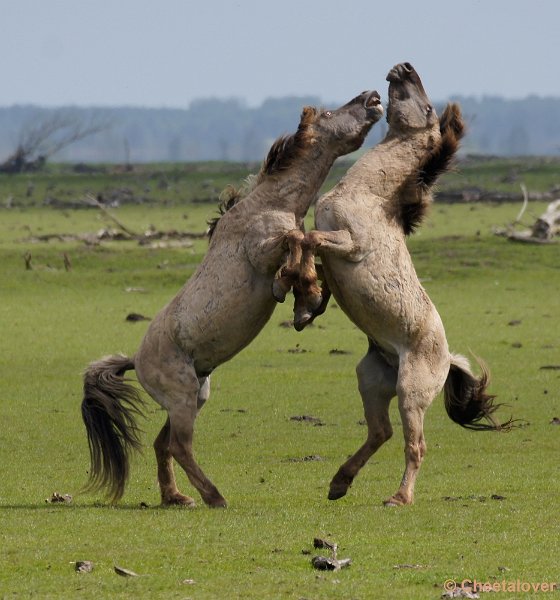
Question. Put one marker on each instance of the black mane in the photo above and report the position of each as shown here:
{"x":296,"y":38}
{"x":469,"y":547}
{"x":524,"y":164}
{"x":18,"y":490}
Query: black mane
{"x":415,"y":192}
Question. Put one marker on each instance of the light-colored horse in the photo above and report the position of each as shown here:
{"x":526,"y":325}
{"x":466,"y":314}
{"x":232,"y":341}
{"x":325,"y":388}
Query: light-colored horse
{"x":221,"y":308}
{"x":360,"y":236}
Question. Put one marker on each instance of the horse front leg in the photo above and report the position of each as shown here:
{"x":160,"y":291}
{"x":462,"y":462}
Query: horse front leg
{"x":312,"y":299}
{"x":304,"y":314}
{"x":288,"y":274}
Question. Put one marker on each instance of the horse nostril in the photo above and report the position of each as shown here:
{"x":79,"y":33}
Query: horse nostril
{"x":408,"y":67}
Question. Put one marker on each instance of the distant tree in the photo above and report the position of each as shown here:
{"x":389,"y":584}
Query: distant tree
{"x":518,"y":142}
{"x":42,"y":137}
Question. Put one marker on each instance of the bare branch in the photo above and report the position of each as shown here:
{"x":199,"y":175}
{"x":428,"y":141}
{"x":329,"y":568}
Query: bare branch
{"x":525,"y":203}
{"x":42,"y":137}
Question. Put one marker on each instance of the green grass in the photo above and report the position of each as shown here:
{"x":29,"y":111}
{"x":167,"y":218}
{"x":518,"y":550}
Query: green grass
{"x":54,"y":322}
{"x":504,"y":175}
{"x":166,"y":184}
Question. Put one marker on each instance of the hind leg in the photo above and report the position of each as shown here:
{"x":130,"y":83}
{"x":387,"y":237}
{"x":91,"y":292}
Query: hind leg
{"x":181,"y":446}
{"x":170,"y":494}
{"x":173,"y":383}
{"x":420,"y":380}
{"x":377,"y":384}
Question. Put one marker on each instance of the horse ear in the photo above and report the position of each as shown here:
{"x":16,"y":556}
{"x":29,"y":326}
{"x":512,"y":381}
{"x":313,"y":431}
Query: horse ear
{"x":308,"y":115}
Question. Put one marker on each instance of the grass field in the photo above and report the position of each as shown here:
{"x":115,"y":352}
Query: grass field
{"x":496,"y":298}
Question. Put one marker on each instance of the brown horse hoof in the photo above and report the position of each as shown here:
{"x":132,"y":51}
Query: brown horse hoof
{"x":178,"y":500}
{"x":278,"y":291}
{"x":336,"y":495}
{"x":337,"y":492}
{"x":220,"y":503}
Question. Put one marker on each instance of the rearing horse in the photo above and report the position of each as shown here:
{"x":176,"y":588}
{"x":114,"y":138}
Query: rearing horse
{"x":360,"y":236}
{"x":219,"y":311}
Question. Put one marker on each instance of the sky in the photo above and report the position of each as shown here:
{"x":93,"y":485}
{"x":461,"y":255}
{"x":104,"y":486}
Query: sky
{"x":167,"y":53}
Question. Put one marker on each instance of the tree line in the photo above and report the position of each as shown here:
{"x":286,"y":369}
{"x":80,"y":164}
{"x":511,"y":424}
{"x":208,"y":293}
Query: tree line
{"x":230,"y":130}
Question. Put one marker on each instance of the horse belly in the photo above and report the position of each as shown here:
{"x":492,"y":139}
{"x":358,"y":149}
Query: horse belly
{"x":387,"y":307}
{"x":217,"y":321}
{"x":220,"y":339}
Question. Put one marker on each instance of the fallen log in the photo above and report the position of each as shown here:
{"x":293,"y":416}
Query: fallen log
{"x":545,"y":230}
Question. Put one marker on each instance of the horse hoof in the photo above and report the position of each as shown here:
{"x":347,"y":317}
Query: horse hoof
{"x":221,"y":503}
{"x":179,"y":500}
{"x":335,"y":494}
{"x":390,"y":503}
{"x":278,"y":291}
{"x":302,"y":319}
{"x":394,"y":501}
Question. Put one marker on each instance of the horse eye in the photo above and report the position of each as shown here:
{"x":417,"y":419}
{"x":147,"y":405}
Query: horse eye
{"x":328,"y":113}
{"x":429,"y":109}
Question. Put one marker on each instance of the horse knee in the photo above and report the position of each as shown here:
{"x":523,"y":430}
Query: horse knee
{"x":311,"y":240}
{"x":295,"y":236}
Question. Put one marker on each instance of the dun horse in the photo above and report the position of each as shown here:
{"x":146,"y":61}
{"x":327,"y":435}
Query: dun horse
{"x":220,"y":310}
{"x":362,"y":225}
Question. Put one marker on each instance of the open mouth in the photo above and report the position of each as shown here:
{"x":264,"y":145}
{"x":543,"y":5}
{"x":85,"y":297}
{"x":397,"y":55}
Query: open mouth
{"x":372,"y":100}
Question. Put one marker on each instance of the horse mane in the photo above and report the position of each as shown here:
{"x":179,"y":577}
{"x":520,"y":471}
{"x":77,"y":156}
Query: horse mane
{"x":415,"y":193}
{"x":229,"y":197}
{"x":282,"y":154}
{"x":289,"y":148}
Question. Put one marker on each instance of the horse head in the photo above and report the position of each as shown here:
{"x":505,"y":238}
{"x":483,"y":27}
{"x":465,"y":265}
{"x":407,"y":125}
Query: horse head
{"x":409,"y":106}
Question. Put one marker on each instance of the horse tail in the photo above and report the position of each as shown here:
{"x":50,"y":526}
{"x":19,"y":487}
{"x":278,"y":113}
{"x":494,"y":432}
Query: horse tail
{"x":109,"y":411}
{"x":466,"y":400}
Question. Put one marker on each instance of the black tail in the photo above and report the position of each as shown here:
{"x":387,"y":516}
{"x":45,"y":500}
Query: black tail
{"x":466,"y":400}
{"x":416,"y":191}
{"x":109,"y":408}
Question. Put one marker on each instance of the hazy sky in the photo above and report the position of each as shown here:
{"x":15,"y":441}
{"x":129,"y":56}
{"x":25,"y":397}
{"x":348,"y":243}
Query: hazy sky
{"x":169,"y":52}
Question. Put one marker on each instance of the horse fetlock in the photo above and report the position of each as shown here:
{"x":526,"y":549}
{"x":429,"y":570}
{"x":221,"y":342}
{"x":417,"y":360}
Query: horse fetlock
{"x":314,"y":299}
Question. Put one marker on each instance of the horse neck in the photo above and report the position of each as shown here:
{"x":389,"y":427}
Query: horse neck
{"x":386,"y":166}
{"x":295,"y":189}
